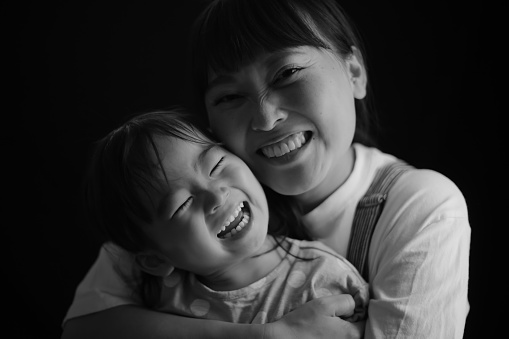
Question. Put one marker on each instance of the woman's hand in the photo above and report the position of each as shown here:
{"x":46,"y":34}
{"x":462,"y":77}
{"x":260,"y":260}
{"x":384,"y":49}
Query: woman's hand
{"x":318,"y":318}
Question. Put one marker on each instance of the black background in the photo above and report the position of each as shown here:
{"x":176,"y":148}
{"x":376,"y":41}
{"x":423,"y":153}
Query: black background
{"x":78,"y":67}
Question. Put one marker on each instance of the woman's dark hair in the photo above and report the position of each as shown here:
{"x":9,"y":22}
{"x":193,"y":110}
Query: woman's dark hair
{"x":231,"y":33}
{"x":121,"y":176}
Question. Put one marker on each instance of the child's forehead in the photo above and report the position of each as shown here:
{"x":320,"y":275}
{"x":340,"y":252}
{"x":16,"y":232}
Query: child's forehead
{"x":178,"y":149}
{"x":175,"y":155}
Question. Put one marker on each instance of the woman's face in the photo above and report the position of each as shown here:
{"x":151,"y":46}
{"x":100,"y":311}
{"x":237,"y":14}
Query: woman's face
{"x":290,"y":116}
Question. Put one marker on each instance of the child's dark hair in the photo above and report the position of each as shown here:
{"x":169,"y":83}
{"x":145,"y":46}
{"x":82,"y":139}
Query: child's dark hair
{"x":121,"y":176}
{"x":230,"y":33}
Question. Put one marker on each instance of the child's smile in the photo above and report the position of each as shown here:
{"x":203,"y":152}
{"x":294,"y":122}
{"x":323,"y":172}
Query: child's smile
{"x":236,"y":222}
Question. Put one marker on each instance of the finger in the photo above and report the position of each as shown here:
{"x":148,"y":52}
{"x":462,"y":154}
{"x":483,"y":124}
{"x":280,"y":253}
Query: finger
{"x":338,"y":305}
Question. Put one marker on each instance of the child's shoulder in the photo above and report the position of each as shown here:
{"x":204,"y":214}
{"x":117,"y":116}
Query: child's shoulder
{"x":325,"y":265}
{"x":310,"y":248}
{"x":318,"y":253}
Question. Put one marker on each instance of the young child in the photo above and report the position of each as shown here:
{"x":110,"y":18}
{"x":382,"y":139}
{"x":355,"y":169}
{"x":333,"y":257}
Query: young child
{"x":194,"y":220}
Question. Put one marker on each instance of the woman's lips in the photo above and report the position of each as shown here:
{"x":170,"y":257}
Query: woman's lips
{"x":290,"y":143}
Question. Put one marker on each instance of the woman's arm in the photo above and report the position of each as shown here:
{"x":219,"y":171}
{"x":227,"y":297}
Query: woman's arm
{"x":131,"y":321}
{"x":418,"y":261}
{"x":318,"y":318}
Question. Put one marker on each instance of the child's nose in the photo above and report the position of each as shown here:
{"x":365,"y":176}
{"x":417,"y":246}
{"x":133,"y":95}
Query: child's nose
{"x":217,"y":196}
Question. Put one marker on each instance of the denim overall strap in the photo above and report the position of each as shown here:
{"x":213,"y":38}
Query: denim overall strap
{"x":367,"y":213}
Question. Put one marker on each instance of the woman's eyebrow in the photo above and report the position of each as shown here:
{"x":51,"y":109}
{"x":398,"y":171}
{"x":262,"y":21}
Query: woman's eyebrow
{"x":271,"y":59}
{"x":221,"y":79}
{"x":275,"y":56}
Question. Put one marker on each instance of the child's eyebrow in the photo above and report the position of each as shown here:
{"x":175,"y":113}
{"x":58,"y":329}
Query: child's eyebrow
{"x":201,"y":157}
{"x":163,"y":202}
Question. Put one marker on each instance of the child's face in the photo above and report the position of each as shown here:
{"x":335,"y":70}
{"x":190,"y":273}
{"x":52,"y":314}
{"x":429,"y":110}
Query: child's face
{"x":290,"y":116}
{"x":212,"y":213}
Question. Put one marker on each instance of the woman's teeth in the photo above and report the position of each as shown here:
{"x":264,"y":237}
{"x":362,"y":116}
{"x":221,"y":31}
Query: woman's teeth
{"x":230,"y":229}
{"x":291,"y":143}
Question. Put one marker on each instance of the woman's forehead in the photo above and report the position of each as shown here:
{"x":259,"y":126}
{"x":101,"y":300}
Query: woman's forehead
{"x":262,"y":59}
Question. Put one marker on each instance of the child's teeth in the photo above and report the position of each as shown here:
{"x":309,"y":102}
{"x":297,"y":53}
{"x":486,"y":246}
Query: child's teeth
{"x":243,"y":222}
{"x":234,"y":215}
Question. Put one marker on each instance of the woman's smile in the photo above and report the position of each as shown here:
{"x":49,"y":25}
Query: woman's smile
{"x":287,"y":151}
{"x":287,"y":145}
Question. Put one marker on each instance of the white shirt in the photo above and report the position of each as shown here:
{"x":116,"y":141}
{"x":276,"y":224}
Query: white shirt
{"x":418,"y":257}
{"x":419,"y":253}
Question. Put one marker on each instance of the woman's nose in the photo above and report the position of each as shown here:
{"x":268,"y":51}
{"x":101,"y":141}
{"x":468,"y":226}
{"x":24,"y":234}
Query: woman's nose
{"x":217,"y":197}
{"x":266,"y":115}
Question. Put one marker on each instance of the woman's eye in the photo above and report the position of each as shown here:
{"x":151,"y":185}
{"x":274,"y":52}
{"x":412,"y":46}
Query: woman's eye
{"x":226,"y":99}
{"x":183,"y":207}
{"x":217,"y":166}
{"x":286,"y":73}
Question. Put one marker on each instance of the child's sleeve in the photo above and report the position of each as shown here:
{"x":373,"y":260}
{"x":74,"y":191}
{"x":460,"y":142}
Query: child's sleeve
{"x":104,"y":286}
{"x":333,"y":274}
{"x":351,"y":282}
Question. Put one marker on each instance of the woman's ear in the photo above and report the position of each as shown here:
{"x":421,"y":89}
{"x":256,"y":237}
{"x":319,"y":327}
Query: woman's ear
{"x":357,"y":73}
{"x":154,"y":264}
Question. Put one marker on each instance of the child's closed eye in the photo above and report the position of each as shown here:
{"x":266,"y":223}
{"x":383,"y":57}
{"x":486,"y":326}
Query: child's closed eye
{"x":217,"y":167}
{"x":183,"y":207}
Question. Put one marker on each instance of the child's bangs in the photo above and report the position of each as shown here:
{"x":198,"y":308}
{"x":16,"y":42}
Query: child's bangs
{"x":140,"y":173}
{"x":235,"y":33}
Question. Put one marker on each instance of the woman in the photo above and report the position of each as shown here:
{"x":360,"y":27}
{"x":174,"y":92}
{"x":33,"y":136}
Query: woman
{"x":284,"y":86}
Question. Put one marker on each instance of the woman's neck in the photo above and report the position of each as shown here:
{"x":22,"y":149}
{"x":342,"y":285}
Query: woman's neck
{"x":336,"y":177}
{"x":247,"y":271}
